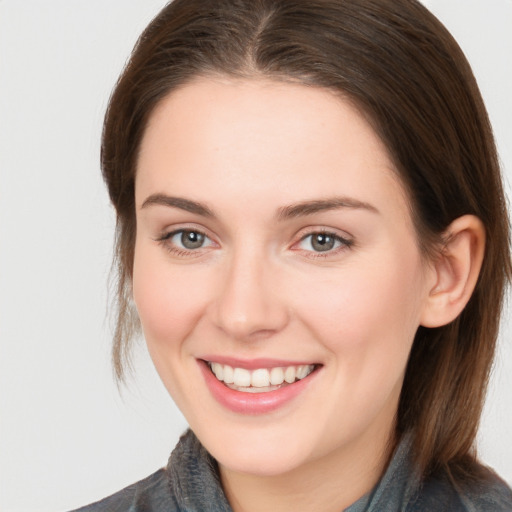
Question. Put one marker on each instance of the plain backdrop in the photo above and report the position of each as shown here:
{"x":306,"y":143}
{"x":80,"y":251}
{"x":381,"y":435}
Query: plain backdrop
{"x":67,"y":437}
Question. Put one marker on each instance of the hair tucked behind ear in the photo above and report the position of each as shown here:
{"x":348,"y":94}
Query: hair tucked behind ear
{"x":407,"y":75}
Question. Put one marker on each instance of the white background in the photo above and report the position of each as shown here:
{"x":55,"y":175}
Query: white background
{"x":66,"y":435}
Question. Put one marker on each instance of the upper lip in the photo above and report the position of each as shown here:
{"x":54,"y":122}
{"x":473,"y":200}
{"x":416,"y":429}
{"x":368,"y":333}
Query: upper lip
{"x":253,"y":364}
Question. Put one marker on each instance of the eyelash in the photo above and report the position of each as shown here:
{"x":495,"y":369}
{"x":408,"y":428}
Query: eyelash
{"x":166,"y":238}
{"x":343,"y":243}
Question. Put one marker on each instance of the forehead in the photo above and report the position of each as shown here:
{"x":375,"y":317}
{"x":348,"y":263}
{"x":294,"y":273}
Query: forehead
{"x":286,"y":142}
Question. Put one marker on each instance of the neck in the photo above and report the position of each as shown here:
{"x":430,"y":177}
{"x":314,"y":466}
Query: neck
{"x":330,"y":483}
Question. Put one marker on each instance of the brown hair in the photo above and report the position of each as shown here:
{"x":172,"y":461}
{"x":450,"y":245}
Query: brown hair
{"x":408,"y":76}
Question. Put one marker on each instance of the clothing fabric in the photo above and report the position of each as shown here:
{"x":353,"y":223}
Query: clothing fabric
{"x":190,"y":483}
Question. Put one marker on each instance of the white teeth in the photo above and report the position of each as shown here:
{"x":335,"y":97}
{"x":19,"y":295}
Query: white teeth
{"x":302,"y":371}
{"x":241,"y":377}
{"x":228,"y":374}
{"x":218,"y":370}
{"x":261,"y":379}
{"x":289,"y":374}
{"x":276,"y":376}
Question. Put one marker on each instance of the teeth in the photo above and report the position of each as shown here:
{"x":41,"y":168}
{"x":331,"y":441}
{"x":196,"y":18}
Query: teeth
{"x":229,"y":377}
{"x":276,"y":376}
{"x":302,"y":371}
{"x":218,"y":370}
{"x":262,"y":378}
{"x":289,"y":374}
{"x":241,"y":377}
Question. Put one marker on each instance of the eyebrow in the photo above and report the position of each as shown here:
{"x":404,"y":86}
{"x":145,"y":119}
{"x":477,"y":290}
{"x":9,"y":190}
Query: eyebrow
{"x":178,"y":202}
{"x":320,"y":205}
{"x":285,"y":212}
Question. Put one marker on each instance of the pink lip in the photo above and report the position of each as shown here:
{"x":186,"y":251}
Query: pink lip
{"x":253,"y":364}
{"x":252,"y":403}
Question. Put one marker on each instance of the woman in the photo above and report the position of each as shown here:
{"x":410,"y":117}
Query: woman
{"x":312,"y":227}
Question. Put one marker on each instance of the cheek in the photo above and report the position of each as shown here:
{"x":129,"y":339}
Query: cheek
{"x":167,"y":299}
{"x":367,"y":315}
{"x":366,"y":318}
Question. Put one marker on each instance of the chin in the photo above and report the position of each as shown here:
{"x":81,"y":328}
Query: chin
{"x":259,"y":452}
{"x":262,"y":463}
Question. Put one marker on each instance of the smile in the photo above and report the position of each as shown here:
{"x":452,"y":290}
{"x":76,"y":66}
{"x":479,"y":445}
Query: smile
{"x":260,"y":380}
{"x":259,"y":386}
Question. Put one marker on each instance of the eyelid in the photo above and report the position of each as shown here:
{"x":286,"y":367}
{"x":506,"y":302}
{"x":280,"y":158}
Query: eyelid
{"x":312,"y":230}
{"x":172,"y":234}
{"x":165,"y":240}
{"x":170,"y":230}
{"x":346,"y":241}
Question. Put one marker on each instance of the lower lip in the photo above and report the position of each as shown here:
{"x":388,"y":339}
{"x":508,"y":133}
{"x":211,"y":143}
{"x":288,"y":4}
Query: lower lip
{"x":252,"y":403}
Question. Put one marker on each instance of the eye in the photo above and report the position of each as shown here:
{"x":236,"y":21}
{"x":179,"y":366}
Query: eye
{"x":323,"y":242}
{"x":185,"y":240}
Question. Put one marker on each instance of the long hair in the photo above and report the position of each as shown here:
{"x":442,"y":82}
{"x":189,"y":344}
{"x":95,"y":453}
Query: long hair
{"x":398,"y":64}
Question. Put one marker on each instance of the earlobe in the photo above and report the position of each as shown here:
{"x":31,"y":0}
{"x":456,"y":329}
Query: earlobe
{"x":455,"y":271}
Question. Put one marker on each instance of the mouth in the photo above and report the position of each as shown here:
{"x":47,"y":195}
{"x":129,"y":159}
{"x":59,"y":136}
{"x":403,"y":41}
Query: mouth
{"x":259,"y":386}
{"x":259,"y":380}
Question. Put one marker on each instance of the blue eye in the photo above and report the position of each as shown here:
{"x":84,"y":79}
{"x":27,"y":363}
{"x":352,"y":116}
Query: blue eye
{"x":323,"y":242}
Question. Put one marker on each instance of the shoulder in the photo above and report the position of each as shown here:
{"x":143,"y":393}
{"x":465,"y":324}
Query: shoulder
{"x":151,"y":493}
{"x":493,"y":494}
{"x":489,"y":494}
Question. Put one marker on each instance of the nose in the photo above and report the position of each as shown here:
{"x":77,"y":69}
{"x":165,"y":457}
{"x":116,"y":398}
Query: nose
{"x":249,"y":305}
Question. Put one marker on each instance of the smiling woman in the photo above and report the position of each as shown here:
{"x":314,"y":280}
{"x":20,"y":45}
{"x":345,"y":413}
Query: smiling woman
{"x":316,"y":244}
{"x":283,"y":282}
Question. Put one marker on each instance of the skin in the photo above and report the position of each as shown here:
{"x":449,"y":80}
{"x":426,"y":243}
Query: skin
{"x":257,"y":288}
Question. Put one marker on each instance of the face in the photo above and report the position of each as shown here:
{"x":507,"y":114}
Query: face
{"x":275,"y":248}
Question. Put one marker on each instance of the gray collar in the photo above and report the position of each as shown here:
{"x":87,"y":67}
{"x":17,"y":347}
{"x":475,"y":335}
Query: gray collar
{"x":196,"y":484}
{"x":194,"y":477}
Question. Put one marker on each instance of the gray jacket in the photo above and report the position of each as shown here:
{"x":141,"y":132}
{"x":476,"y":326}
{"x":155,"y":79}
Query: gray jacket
{"x":190,"y":483}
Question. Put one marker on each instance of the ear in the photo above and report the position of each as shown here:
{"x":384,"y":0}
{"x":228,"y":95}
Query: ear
{"x":455,"y":271}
